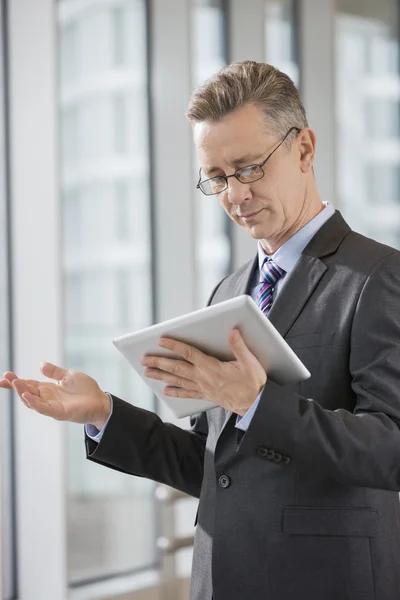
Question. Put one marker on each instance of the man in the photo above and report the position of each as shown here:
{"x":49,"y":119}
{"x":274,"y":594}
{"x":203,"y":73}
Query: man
{"x":298,"y":485}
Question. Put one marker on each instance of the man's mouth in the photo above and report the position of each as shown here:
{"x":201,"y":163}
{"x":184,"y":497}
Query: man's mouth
{"x":248,"y":214}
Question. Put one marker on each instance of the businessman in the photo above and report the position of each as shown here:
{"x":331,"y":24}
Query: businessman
{"x":298,"y":485}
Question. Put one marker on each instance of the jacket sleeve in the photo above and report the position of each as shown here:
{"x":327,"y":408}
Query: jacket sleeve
{"x":360,"y":447}
{"x":138,"y":442}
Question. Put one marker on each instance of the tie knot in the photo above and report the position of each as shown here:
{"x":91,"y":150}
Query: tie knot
{"x":271,"y":272}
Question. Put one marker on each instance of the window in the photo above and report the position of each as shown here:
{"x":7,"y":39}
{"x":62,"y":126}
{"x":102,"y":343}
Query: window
{"x":213,"y":249}
{"x":118,"y":20}
{"x":120,"y":126}
{"x":7,"y":517}
{"x":280,"y":37}
{"x":367,"y":114}
{"x":107,"y":270}
{"x":70,"y":52}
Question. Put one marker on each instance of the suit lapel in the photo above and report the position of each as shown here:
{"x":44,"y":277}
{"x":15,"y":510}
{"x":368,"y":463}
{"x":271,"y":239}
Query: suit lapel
{"x":307,"y":273}
{"x":301,"y":283}
{"x":303,"y":279}
{"x":242,"y":283}
{"x":294,"y":295}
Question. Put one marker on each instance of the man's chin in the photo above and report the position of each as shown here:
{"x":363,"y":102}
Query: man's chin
{"x":256,"y":231}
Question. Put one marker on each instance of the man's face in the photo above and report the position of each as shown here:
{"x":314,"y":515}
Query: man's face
{"x":274,"y":205}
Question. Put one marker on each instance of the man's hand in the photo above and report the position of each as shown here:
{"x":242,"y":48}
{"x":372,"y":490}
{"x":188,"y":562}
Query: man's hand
{"x":75,"y":397}
{"x":233,"y":385}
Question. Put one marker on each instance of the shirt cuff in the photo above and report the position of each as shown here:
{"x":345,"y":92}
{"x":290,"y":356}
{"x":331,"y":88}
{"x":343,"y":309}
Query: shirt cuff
{"x":244,"y":422}
{"x":93,"y":432}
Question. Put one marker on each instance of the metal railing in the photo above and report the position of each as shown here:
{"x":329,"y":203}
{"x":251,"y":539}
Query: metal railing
{"x":168,"y":543}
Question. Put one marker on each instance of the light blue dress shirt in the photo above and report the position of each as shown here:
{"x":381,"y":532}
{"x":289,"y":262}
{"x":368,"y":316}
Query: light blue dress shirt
{"x":93,"y":432}
{"x":285,"y":257}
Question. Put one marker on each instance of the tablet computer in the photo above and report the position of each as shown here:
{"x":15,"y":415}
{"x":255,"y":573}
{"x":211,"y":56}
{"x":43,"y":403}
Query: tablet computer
{"x":208,"y":329}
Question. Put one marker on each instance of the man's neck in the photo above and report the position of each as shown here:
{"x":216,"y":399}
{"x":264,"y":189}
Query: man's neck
{"x":271,"y":246}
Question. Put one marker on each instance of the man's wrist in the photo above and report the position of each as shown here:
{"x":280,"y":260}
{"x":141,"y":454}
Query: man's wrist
{"x":105,"y":413}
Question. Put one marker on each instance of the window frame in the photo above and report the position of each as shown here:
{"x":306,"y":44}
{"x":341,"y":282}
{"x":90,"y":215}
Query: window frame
{"x":8,"y":547}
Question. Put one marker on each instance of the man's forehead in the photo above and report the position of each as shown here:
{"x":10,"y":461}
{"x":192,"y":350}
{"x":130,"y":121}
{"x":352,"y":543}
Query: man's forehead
{"x":216,"y":148}
{"x":228,"y":132}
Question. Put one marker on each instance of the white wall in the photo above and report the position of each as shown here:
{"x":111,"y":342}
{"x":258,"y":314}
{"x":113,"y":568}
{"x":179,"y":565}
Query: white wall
{"x":37,"y":300}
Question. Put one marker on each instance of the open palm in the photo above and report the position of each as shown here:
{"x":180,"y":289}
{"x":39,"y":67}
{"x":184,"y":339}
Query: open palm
{"x":74,"y":397}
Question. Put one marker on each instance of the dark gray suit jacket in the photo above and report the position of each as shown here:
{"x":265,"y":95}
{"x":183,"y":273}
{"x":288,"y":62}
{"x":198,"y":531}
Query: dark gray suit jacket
{"x":305,"y":504}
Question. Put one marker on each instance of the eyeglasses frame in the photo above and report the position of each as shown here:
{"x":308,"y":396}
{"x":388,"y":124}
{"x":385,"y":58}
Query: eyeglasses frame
{"x":235,"y":174}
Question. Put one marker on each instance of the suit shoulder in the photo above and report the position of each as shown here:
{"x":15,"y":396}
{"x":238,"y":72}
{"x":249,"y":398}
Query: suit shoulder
{"x":228,"y":283}
{"x":364,"y":253}
{"x":239,"y":272}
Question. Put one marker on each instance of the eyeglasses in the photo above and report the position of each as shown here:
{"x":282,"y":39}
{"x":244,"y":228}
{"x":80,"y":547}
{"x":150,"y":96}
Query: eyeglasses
{"x":247,"y":174}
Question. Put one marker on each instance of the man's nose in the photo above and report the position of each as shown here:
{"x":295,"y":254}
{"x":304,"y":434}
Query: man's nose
{"x":237,"y":192}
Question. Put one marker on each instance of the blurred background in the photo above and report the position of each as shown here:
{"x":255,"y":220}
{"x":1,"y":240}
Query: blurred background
{"x":102,"y":232}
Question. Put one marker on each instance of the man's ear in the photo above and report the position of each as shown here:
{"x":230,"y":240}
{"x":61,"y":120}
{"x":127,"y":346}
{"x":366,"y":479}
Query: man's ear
{"x":306,"y":143}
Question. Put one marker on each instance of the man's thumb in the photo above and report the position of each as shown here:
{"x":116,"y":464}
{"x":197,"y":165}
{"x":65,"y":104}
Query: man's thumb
{"x":238,"y":346}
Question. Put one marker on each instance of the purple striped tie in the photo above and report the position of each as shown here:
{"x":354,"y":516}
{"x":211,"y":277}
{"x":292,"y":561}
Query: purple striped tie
{"x":270,"y":273}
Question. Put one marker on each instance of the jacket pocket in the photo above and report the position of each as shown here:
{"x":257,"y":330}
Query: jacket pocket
{"x":311,"y":340}
{"x":335,"y":521}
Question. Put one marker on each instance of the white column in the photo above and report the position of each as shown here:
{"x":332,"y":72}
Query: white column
{"x":4,"y":355}
{"x":174,"y":194}
{"x":37,"y":314}
{"x":172,"y":153}
{"x":246,"y":32}
{"x":317,"y":74}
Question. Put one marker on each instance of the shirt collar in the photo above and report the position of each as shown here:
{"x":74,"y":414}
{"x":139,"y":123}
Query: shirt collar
{"x":289,"y":253}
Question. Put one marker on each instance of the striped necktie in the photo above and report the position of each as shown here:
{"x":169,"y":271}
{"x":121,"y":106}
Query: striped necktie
{"x":270,"y":274}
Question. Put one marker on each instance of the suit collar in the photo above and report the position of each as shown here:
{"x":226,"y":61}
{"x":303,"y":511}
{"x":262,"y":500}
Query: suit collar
{"x":289,"y":253}
{"x":329,"y":237}
{"x":326,"y":241}
{"x":307,"y":273}
{"x":302,"y":281}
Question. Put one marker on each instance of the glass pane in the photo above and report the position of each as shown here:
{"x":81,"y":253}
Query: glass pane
{"x":107,"y":269}
{"x":213,"y":250}
{"x":368,"y":109}
{"x":7,"y":523}
{"x":280,"y":37}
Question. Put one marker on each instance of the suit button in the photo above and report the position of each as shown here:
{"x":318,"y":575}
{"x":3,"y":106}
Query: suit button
{"x":262,"y":451}
{"x":286,"y":460}
{"x":224,"y":481}
{"x":270,"y":454}
{"x":278,"y":457}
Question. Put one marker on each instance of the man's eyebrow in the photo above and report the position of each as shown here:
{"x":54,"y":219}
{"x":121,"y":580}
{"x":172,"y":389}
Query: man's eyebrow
{"x":248,"y":159}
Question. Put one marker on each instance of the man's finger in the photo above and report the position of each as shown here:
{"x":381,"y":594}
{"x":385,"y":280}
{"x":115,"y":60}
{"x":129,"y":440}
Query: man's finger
{"x":9,"y":378}
{"x":49,"y":409}
{"x":238,"y":347}
{"x":4,"y":383}
{"x":189,"y":353}
{"x":182,"y":393}
{"x":179,"y":368}
{"x":52,"y":371}
{"x":172,"y":380}
{"x":19,"y":386}
{"x":32,"y":385}
{"x":33,"y":382}
{"x":9,"y":375}
{"x":24,"y":401}
{"x":33,"y":389}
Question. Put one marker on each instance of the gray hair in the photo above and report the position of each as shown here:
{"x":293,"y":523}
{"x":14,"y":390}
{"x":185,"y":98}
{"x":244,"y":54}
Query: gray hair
{"x":249,"y":83}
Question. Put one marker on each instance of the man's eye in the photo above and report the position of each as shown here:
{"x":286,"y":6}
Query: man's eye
{"x":249,"y":172}
{"x":217,"y":183}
